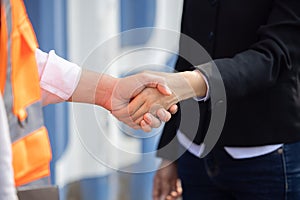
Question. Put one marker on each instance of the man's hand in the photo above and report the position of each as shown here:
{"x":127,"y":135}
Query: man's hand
{"x":166,"y":185}
{"x":148,"y":104}
{"x":126,"y":89}
{"x":184,"y":84}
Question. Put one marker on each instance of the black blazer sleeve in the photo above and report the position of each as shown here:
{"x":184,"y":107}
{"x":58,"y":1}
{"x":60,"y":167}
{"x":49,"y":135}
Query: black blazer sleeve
{"x":277,"y":49}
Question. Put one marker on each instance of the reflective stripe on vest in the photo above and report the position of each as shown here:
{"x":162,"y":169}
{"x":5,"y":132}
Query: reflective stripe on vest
{"x":31,"y":147}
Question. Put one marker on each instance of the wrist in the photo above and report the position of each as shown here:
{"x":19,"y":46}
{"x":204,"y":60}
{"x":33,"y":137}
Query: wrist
{"x":196,"y":82}
{"x":104,"y":91}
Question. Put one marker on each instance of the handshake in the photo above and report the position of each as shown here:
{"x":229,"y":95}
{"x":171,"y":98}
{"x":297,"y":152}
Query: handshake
{"x":144,"y":100}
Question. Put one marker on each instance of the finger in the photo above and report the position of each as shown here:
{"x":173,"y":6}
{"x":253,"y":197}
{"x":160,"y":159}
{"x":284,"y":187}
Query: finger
{"x":165,"y":188}
{"x":173,"y":109}
{"x":134,"y":105}
{"x":169,"y":197}
{"x":155,"y":122}
{"x":123,"y":116}
{"x":139,"y":120}
{"x":164,"y":89}
{"x":153,"y":109}
{"x":156,"y":191}
{"x":128,"y":113}
{"x":140,"y":112}
{"x":151,"y":120}
{"x":177,"y":190}
{"x":163,"y":115}
{"x":178,"y":187}
{"x":145,"y":127}
{"x":174,"y":194}
{"x":147,"y":118}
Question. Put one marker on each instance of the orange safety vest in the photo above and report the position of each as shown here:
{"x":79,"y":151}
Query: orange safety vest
{"x":19,"y":84}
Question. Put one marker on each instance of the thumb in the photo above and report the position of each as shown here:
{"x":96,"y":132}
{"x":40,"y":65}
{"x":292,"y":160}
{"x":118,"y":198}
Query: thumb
{"x":164,"y":89}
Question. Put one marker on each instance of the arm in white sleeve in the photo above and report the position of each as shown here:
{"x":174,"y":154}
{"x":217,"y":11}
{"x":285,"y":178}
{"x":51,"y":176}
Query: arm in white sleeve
{"x":58,"y":77}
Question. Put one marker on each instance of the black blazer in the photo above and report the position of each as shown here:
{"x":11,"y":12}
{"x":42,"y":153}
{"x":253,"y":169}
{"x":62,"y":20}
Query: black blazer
{"x":256,"y":47}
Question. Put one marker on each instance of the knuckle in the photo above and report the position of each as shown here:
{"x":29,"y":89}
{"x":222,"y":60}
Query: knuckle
{"x":147,"y":92}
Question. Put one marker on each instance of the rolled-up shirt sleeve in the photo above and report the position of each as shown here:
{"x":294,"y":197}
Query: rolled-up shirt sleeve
{"x":58,"y":77}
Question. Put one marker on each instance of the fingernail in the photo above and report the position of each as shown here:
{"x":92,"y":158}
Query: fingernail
{"x":168,"y":90}
{"x":161,"y":114}
{"x":149,"y":118}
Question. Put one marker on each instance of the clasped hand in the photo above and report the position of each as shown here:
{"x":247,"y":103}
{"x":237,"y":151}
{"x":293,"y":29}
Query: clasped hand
{"x":144,"y":100}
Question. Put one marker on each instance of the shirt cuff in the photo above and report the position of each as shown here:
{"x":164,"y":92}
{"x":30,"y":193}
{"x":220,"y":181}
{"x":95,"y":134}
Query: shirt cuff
{"x":206,"y":97}
{"x":57,"y":75}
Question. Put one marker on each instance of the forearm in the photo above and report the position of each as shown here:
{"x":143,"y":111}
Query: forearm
{"x":185,"y":85}
{"x":94,"y":88}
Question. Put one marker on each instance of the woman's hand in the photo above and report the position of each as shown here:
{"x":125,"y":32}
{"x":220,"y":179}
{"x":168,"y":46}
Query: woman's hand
{"x":166,"y":184}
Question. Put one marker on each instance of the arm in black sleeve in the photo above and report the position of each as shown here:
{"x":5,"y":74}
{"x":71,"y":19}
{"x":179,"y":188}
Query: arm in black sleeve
{"x":262,"y":65}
